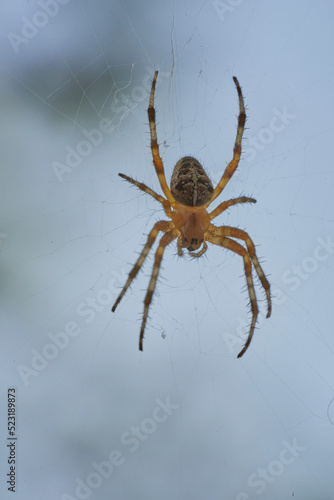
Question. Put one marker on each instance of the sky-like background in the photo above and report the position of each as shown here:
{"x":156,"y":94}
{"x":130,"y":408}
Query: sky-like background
{"x":185,"y":419}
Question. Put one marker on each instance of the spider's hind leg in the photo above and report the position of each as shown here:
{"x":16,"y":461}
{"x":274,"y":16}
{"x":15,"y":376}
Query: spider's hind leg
{"x":157,"y":161}
{"x":232,"y":166}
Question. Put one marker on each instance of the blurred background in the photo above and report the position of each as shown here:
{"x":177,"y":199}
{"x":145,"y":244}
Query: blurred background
{"x":185,"y":418}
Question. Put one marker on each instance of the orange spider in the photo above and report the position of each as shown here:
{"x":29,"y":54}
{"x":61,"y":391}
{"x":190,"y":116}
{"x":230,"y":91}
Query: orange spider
{"x":190,"y":194}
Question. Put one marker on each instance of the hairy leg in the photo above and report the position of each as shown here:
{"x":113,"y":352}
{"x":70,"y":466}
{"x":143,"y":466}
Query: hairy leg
{"x":158,"y":226}
{"x":159,"y":168}
{"x":240,"y":250}
{"x":242,"y":235}
{"x":164,"y":242}
{"x":229,"y":203}
{"x":149,"y":191}
{"x":231,"y":167}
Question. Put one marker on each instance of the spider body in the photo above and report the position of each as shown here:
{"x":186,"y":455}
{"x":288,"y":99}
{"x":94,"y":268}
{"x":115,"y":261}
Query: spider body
{"x":190,"y":184}
{"x":185,"y":204}
{"x":192,"y":226}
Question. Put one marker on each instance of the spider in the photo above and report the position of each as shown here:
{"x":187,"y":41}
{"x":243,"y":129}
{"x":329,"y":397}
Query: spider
{"x":186,"y":203}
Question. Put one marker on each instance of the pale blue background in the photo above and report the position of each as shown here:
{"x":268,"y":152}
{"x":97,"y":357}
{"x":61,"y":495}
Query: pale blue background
{"x":63,"y":243}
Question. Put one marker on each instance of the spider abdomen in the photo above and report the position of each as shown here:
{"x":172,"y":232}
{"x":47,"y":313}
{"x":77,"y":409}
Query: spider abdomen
{"x":190,"y":184}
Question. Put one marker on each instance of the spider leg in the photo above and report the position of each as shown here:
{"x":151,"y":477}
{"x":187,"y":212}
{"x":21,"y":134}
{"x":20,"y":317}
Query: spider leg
{"x":242,"y":235}
{"x":229,"y":203}
{"x":240,"y":250}
{"x":179,"y":246}
{"x":150,"y":191}
{"x":159,"y":168}
{"x":164,"y":242}
{"x":158,"y":226}
{"x":231,"y":167}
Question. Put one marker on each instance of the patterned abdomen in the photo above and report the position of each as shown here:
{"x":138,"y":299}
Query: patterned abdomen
{"x":189,"y":184}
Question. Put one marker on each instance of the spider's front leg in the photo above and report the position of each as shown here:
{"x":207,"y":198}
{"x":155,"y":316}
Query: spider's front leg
{"x":158,"y":226}
{"x":164,"y":242}
{"x":242,"y":235}
{"x":240,"y":250}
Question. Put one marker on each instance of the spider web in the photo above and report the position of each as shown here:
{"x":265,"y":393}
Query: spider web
{"x":76,"y":102}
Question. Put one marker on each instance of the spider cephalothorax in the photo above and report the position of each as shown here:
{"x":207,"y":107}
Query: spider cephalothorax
{"x":190,"y":194}
{"x":192,"y":225}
